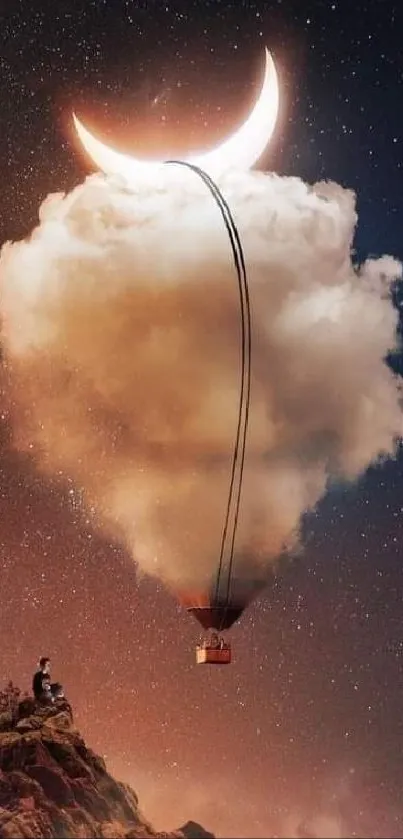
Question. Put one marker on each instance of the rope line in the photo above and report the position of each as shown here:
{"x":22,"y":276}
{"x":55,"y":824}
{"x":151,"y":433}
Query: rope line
{"x":238,"y":459}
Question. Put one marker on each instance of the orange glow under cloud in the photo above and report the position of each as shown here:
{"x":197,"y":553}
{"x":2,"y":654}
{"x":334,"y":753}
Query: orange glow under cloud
{"x":194,"y":599}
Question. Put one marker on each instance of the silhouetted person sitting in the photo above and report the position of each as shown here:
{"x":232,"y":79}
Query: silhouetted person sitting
{"x":43,"y":689}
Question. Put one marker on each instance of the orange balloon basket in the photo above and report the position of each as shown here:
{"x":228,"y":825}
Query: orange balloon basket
{"x":206,"y":654}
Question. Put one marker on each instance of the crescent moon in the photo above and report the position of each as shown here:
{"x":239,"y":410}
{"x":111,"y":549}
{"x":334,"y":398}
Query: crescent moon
{"x":239,"y":152}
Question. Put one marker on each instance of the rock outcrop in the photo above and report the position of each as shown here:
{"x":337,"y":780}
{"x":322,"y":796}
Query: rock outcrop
{"x":52,"y":786}
{"x":192,"y":830}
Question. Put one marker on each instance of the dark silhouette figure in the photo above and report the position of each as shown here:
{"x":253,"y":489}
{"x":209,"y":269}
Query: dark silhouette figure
{"x":43,"y":689}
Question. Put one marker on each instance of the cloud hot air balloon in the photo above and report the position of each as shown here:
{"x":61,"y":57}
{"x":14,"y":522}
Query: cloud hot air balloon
{"x":221,"y":605}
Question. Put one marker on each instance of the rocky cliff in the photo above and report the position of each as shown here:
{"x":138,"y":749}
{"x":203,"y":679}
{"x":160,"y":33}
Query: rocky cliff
{"x":53,"y":785}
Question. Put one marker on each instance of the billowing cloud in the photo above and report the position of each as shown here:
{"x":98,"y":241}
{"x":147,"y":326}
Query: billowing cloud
{"x":121,"y":333}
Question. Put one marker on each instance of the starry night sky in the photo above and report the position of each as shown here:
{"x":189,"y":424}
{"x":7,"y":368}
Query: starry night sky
{"x":307,"y":721}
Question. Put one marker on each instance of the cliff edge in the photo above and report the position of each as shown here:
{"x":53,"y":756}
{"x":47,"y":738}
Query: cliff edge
{"x":52,"y":786}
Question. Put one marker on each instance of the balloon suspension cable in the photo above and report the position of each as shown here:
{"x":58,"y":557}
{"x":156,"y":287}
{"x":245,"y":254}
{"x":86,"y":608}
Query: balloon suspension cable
{"x":244,"y":397}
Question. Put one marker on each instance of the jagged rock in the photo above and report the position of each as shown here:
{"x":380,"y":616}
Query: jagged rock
{"x":27,"y":825}
{"x":191,"y":830}
{"x":52,"y":785}
{"x":6,"y":720}
{"x":26,"y":708}
{"x":61,"y":721}
{"x":28,"y":724}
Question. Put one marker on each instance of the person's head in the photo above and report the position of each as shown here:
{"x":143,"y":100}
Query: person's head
{"x":44,"y":664}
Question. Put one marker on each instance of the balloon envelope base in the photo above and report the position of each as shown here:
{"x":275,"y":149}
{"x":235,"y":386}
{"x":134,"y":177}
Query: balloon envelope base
{"x":216,"y":617}
{"x":212,"y":655}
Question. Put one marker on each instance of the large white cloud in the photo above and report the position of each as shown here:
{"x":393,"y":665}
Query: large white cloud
{"x":121,"y":330}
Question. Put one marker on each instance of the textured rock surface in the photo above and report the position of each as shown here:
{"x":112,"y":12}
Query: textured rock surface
{"x":52,"y":785}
